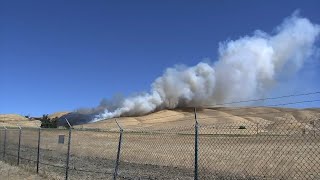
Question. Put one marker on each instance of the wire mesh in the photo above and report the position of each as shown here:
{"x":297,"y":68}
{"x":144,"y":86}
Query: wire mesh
{"x":279,"y":150}
{"x":28,"y":149}
{"x":2,"y":131}
{"x":157,"y":155}
{"x":53,"y":154}
{"x":12,"y":141}
{"x":93,"y":154}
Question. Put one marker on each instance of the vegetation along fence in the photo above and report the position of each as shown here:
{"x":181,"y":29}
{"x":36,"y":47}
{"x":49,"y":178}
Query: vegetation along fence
{"x":274,"y":150}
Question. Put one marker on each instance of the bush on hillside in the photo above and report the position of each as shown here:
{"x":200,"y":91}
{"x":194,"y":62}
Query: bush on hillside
{"x":46,"y":122}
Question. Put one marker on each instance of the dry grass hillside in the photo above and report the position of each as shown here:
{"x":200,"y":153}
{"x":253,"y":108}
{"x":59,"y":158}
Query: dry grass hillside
{"x":14,"y":120}
{"x":267,"y":117}
{"x":57,"y":114}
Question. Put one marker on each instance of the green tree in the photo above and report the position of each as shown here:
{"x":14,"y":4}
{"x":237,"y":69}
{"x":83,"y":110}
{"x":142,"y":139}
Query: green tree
{"x":46,"y":122}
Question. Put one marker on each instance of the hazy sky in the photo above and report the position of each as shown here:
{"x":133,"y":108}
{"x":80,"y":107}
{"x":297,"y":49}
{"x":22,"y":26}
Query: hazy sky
{"x":62,"y":55}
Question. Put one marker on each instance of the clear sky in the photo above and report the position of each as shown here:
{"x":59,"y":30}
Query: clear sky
{"x":62,"y":55}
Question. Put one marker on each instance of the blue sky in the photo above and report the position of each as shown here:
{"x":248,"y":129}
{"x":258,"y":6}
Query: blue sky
{"x":62,"y":55}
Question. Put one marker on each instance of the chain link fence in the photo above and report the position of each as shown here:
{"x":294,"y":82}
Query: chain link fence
{"x":157,"y":155}
{"x":239,"y":151}
{"x":278,"y":150}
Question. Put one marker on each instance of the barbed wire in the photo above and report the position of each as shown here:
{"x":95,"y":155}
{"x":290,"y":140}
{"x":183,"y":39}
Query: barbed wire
{"x":265,"y":106}
{"x":220,"y":116}
{"x":250,"y":107}
{"x":157,"y":145}
{"x":282,"y":104}
{"x":237,"y":102}
{"x":268,"y":98}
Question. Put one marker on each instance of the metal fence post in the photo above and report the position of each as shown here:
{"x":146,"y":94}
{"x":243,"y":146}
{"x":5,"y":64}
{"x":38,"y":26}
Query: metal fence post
{"x":68,"y":153}
{"x":315,"y":129}
{"x":196,"y":144}
{"x":19,"y":146}
{"x":115,"y":174}
{"x":38,"y":150}
{"x":4,"y":142}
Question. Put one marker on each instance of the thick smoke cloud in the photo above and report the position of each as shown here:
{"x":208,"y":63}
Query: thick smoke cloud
{"x":246,"y":68}
{"x":110,"y":104}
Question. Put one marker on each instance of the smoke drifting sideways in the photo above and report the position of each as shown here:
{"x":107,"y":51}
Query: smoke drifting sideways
{"x":86,"y":115}
{"x":246,"y":68}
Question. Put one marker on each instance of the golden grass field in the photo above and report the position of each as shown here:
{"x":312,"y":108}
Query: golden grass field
{"x":14,"y":120}
{"x":277,"y":143}
{"x":153,"y":154}
{"x":8,"y":172}
{"x":266,"y":117}
{"x":185,"y":118}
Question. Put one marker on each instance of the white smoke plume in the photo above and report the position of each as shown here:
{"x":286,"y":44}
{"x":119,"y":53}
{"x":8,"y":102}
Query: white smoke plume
{"x":246,"y":68}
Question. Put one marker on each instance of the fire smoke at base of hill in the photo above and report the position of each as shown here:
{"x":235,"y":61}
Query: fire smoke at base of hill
{"x":249,"y":66}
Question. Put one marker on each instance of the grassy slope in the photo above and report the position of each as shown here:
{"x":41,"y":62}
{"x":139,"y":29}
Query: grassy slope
{"x":185,"y":118}
{"x":17,"y":120}
{"x":14,"y":173}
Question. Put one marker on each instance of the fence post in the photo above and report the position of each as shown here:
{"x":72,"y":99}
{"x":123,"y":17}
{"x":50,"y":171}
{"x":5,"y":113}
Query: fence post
{"x":196,"y":143}
{"x":4,"y":142}
{"x":19,"y":146}
{"x":257,"y":128}
{"x":115,"y":174}
{"x":38,"y":150}
{"x":315,"y":129}
{"x":68,"y":153}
